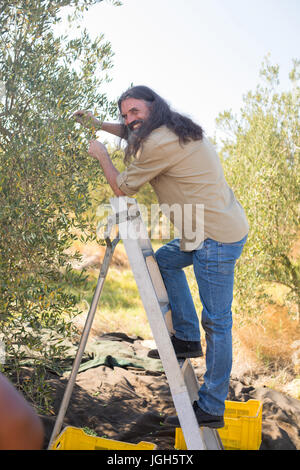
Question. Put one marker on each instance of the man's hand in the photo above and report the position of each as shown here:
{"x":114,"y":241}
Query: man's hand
{"x":87,"y":119}
{"x":97,"y":150}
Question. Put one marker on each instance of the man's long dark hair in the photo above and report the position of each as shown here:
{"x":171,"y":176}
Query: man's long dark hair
{"x":160,"y":114}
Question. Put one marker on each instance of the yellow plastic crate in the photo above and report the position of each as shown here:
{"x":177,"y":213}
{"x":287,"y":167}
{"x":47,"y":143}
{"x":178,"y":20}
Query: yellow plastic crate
{"x":242,"y":430}
{"x":72,"y":438}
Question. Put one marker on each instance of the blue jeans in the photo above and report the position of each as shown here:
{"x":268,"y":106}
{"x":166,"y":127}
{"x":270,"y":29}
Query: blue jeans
{"x":213,"y":264}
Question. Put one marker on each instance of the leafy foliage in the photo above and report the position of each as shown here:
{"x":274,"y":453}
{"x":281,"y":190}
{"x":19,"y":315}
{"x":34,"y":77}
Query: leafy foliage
{"x":46,"y":175}
{"x":262,"y":163}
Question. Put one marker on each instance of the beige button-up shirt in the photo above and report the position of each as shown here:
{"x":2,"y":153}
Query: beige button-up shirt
{"x":190,"y":186}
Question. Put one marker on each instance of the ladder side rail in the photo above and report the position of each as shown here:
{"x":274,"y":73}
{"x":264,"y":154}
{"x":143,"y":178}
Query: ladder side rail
{"x":167,"y":355}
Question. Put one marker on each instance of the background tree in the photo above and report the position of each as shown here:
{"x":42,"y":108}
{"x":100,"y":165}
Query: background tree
{"x":261,"y":154}
{"x":45,"y":172}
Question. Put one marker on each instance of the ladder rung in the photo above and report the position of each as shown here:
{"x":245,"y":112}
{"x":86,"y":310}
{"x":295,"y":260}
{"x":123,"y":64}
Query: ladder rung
{"x":147,"y":253}
{"x":165,"y":307}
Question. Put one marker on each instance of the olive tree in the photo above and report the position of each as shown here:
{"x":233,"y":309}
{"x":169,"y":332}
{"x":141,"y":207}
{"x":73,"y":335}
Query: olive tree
{"x":261,"y":153}
{"x":45,"y":172}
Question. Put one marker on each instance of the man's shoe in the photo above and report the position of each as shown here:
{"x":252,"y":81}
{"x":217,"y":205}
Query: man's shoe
{"x":204,"y":419}
{"x":183,"y":349}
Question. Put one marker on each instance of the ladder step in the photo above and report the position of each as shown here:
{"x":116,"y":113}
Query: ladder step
{"x":190,"y":378}
{"x":165,"y":307}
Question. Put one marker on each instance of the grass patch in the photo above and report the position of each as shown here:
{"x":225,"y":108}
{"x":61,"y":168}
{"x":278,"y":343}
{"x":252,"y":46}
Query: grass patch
{"x":120,"y":307}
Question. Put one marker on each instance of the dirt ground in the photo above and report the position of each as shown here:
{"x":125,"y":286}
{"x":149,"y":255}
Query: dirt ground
{"x":131,"y":403}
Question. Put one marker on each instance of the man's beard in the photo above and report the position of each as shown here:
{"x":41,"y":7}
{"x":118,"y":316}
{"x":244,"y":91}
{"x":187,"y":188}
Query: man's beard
{"x":131,"y":126}
{"x":134,"y":133}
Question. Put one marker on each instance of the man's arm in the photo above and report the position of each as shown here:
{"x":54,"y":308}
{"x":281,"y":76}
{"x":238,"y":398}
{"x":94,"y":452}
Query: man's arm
{"x":113,"y":128}
{"x":98,"y":151}
{"x":153,"y":161}
{"x":87,"y":119}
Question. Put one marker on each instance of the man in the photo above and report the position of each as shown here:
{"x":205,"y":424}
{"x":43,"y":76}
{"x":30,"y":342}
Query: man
{"x":171,"y":152}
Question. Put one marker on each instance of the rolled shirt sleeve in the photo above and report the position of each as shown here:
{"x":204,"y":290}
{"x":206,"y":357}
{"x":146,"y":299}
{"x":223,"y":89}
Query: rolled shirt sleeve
{"x":122,"y":184}
{"x":149,"y":163}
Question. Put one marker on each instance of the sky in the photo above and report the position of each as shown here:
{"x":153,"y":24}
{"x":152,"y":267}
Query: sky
{"x":201,"y":56}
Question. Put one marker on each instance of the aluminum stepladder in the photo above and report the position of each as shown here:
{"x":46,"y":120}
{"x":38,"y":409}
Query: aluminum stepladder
{"x":180,"y":375}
